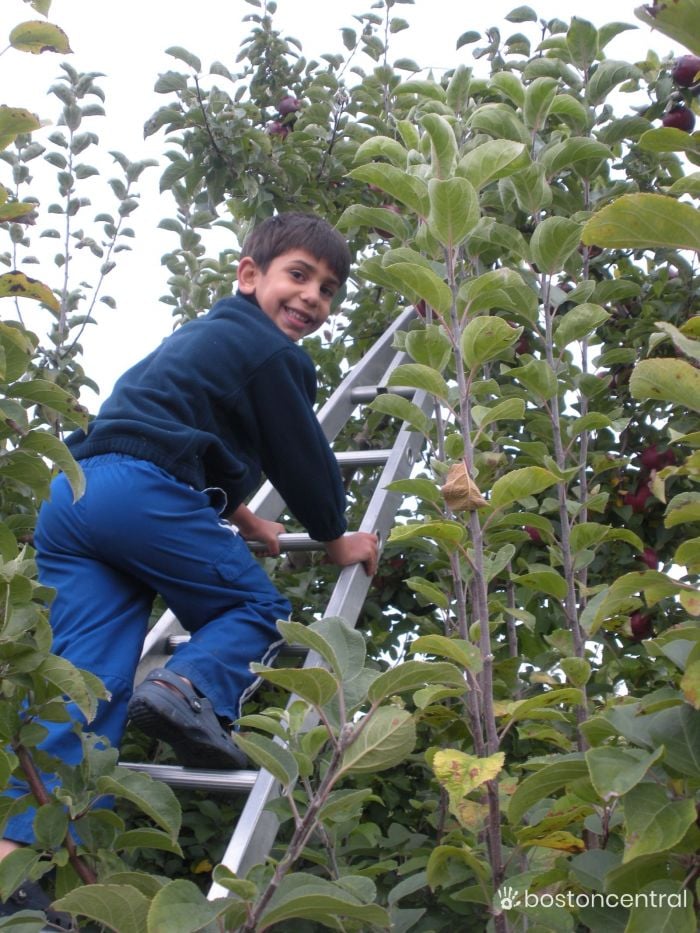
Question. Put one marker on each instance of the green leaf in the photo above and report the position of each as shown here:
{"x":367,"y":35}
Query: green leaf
{"x":307,"y":897}
{"x":430,"y":346}
{"x":36,"y":36}
{"x":421,"y":281}
{"x":43,"y":392}
{"x":607,"y":75}
{"x":579,"y":323}
{"x":70,"y":682}
{"x":667,"y":380}
{"x":669,"y":139}
{"x":295,"y":632}
{"x":443,"y":145}
{"x":615,"y":771}
{"x":678,"y":730}
{"x":616,"y":598}
{"x":502,"y":289}
{"x":522,"y":14}
{"x":522,"y":709}
{"x":539,"y":378}
{"x":180,"y":907}
{"x":386,"y":740}
{"x":644,"y":221}
{"x":119,"y":907}
{"x":462,"y":652}
{"x":519,"y":484}
{"x":15,"y":868}
{"x":493,"y":159}
{"x":538,"y":99}
{"x":654,"y":822}
{"x":313,"y":684}
{"x":486,"y":338}
{"x":545,"y":581}
{"x":555,"y":239}
{"x":690,"y":347}
{"x":146,"y":838}
{"x":582,"y":42}
{"x":269,"y":755}
{"x":408,"y":189}
{"x":342,"y":805}
{"x":664,"y":906}
{"x":56,"y":451}
{"x":428,"y":591}
{"x":500,"y":122}
{"x":382,"y":147}
{"x":427,"y":89}
{"x":184,"y":56}
{"x":401,"y":408}
{"x":454,"y":210}
{"x":510,"y":409}
{"x":680,"y":21}
{"x":544,"y":783}
{"x":411,"y":675}
{"x":153,"y":798}
{"x":347,"y":643}
{"x":445,"y":532}
{"x":418,"y":376}
{"x":417,"y":486}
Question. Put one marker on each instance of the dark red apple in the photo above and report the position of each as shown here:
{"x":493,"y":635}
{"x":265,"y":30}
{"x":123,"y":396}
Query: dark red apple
{"x":275,"y":128}
{"x":686,"y":70}
{"x":421,"y":307}
{"x":637,"y":500}
{"x":680,"y":117}
{"x":288,"y":105}
{"x":650,"y":558}
{"x":535,"y":535}
{"x":652,"y":459}
{"x":641,"y":626}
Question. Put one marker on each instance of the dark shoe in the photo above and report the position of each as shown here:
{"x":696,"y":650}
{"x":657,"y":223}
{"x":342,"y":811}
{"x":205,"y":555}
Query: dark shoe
{"x":29,"y":896}
{"x":179,"y":716}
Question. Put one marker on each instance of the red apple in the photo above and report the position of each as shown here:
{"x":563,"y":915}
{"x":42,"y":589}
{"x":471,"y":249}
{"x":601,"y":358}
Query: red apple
{"x":641,"y":626}
{"x":637,"y":500}
{"x":535,"y":535}
{"x":288,"y":105}
{"x":275,"y":128}
{"x":680,"y":117}
{"x":652,"y":459}
{"x":686,"y":70}
{"x":421,"y":307}
{"x":650,"y":558}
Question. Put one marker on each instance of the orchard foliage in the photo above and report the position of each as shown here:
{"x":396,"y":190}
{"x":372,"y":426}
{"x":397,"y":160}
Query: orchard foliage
{"x":538,"y":726}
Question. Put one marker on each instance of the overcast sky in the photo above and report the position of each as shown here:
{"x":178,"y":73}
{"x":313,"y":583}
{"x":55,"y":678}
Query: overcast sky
{"x":127,"y":42}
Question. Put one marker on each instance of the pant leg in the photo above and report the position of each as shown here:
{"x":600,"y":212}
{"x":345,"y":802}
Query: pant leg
{"x":163,"y":533}
{"x":99,"y":618}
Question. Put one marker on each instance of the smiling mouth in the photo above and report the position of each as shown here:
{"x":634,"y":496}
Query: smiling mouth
{"x":298,"y":316}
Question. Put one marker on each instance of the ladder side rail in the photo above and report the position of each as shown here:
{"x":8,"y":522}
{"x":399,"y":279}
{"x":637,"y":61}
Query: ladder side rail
{"x":256,"y":829}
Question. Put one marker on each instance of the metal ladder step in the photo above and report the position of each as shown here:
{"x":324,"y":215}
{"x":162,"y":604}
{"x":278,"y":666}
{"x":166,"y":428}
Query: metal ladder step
{"x":177,"y":776}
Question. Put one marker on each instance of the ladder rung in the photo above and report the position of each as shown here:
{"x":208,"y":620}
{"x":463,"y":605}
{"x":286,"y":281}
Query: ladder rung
{"x":176,"y":776}
{"x":290,"y":542}
{"x":362,"y":457}
{"x":285,"y":651}
{"x":364,"y":394}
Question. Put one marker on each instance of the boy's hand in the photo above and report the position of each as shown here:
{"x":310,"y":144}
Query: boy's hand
{"x":267,"y":533}
{"x":252,"y":528}
{"x":357,"y":548}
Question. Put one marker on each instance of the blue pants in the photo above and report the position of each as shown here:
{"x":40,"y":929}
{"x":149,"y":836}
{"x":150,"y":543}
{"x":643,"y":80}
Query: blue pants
{"x":137,"y":532}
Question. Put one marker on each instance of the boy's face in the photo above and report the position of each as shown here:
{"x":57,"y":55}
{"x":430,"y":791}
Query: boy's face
{"x":295,"y":291}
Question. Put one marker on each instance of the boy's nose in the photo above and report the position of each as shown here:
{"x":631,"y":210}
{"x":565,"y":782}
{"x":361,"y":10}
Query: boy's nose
{"x":311,"y":293}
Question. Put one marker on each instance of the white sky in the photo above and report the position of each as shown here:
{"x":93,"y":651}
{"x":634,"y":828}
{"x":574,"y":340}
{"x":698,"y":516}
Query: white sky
{"x":126,"y":42}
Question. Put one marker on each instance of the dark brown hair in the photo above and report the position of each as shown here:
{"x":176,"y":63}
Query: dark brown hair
{"x":296,"y":230}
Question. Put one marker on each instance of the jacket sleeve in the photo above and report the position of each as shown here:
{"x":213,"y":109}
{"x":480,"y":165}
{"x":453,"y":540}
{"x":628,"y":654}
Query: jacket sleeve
{"x":294,"y":452}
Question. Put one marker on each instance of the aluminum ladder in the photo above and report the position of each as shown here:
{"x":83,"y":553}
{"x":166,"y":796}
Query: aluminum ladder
{"x":256,"y":828}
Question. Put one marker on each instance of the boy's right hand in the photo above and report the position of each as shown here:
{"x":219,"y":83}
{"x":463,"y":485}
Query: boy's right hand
{"x":361,"y":547}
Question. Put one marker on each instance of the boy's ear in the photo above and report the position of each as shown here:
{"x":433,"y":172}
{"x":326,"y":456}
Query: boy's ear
{"x":247,"y":275}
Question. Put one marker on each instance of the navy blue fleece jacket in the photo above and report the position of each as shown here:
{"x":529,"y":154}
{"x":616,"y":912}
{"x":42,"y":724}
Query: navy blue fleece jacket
{"x":222,"y":399}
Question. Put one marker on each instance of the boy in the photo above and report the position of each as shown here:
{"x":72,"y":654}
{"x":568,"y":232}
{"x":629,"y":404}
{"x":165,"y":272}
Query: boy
{"x":183,"y":439}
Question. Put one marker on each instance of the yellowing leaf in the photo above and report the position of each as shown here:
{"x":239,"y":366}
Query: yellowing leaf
{"x":690,"y":684}
{"x":471,"y":815}
{"x":19,"y":285}
{"x":564,"y":841}
{"x":460,"y":491}
{"x":36,"y":36}
{"x":15,"y":120}
{"x":460,"y":773}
